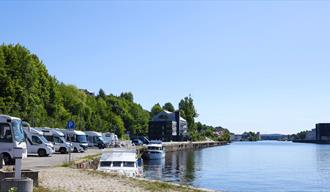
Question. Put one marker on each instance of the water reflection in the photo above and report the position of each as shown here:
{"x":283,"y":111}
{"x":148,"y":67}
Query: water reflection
{"x":323,"y":161}
{"x":176,"y":167}
{"x":249,"y":167}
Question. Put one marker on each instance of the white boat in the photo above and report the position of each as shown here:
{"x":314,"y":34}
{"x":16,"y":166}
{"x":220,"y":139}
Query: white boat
{"x":155,"y":150}
{"x":121,"y":161}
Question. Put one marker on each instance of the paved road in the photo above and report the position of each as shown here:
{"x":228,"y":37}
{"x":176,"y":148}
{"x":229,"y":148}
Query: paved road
{"x":38,"y":163}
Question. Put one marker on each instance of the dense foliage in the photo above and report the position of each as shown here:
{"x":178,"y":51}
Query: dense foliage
{"x":298,"y":136}
{"x":169,"y":107}
{"x":250,"y":136}
{"x":29,"y":92}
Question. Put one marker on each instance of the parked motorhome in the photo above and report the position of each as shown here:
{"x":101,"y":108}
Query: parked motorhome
{"x":121,"y":161}
{"x":57,"y":138}
{"x":36,"y":142}
{"x":76,"y":138}
{"x":110,"y":139}
{"x":11,"y":137}
{"x":95,"y":139}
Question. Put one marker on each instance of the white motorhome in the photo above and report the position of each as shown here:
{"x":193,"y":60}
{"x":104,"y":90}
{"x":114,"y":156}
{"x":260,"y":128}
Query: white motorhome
{"x":58,"y":139}
{"x":76,"y":138}
{"x":95,"y":139}
{"x":36,"y":142}
{"x":11,"y":137}
{"x":110,"y":139}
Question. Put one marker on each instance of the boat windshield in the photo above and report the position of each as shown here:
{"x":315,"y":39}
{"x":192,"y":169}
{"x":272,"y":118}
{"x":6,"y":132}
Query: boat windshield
{"x":105,"y":163}
{"x":154,"y":148}
{"x":128,"y":164}
{"x":81,"y":139}
{"x":17,"y":130}
{"x":116,"y":164}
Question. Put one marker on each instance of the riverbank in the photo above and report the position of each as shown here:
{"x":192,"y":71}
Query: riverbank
{"x":80,"y":175}
{"x":178,"y":146}
{"x":57,"y":175}
{"x":65,"y":179}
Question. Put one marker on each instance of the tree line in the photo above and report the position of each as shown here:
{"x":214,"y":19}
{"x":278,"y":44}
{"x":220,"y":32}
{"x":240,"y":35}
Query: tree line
{"x":196,"y":130}
{"x":28,"y":91}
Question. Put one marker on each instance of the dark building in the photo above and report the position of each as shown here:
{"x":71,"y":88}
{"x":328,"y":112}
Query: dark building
{"x":323,"y":133}
{"x":168,"y":126}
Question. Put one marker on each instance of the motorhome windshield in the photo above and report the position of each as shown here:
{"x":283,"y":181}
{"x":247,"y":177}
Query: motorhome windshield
{"x":18,"y":131}
{"x":61,"y":139}
{"x":43,"y":139}
{"x":81,"y":138}
{"x":101,"y":138}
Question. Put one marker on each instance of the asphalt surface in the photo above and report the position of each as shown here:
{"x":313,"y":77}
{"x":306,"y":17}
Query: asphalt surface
{"x":38,"y":163}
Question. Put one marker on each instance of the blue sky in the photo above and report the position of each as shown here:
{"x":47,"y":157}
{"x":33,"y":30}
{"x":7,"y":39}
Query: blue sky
{"x":249,"y":65}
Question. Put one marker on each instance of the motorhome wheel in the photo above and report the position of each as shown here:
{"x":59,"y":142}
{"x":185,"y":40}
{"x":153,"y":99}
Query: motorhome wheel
{"x":42,"y":152}
{"x":63,"y":150}
{"x":7,"y":159}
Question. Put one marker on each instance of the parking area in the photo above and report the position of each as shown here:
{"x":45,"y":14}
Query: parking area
{"x":38,"y":163}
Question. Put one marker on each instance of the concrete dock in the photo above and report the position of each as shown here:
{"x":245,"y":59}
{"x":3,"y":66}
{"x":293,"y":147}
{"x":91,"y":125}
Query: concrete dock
{"x":178,"y":146}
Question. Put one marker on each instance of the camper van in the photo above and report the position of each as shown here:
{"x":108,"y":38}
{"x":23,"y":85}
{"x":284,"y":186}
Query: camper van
{"x":11,"y":137}
{"x":76,"y":138}
{"x":110,"y":139}
{"x":95,"y":139}
{"x":36,"y":142}
{"x":58,"y":140}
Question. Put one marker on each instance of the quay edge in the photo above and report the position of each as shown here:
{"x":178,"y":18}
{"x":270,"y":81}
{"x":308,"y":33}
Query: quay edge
{"x":179,"y":146}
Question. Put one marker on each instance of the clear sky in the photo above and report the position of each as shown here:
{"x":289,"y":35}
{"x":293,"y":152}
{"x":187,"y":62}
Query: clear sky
{"x":249,"y":65}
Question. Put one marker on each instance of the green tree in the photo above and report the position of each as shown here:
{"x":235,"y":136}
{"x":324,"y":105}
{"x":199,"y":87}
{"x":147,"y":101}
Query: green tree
{"x":101,"y":93}
{"x":188,"y":112}
{"x":169,"y":107}
{"x":128,"y":96}
{"x":155,"y":110}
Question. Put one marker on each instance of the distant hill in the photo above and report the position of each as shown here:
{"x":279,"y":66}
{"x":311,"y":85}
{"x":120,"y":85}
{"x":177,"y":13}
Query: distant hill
{"x":273,"y":136}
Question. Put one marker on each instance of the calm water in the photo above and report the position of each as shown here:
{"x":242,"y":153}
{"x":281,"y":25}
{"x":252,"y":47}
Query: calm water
{"x":248,"y":166}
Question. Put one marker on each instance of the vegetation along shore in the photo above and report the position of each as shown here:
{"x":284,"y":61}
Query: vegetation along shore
{"x":28,"y":91}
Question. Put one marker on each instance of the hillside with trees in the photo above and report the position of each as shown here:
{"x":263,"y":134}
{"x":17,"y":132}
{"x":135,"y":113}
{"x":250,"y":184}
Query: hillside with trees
{"x":28,"y":91}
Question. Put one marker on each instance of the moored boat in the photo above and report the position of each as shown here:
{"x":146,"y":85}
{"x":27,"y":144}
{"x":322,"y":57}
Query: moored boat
{"x":121,"y":161}
{"x":155,"y":150}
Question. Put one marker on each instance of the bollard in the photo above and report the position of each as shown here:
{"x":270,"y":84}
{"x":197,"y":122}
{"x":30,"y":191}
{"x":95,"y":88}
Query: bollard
{"x":18,"y":162}
{"x":19,"y":185}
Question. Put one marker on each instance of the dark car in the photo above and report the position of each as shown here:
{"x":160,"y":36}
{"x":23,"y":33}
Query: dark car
{"x":137,"y":142}
{"x":141,"y":138}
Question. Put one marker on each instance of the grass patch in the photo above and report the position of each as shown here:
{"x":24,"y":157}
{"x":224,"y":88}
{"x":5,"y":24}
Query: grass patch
{"x":67,"y":164}
{"x":44,"y":189}
{"x":151,"y":185}
{"x":148,"y":185}
{"x":90,"y":157}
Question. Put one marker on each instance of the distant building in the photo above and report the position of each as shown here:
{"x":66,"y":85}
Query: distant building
{"x":237,"y":138}
{"x":168,"y":126}
{"x":258,"y":136}
{"x":323,"y":133}
{"x":90,"y":93}
{"x":311,"y":135}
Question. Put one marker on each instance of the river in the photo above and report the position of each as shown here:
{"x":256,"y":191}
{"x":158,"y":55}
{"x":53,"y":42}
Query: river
{"x":265,"y":166}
